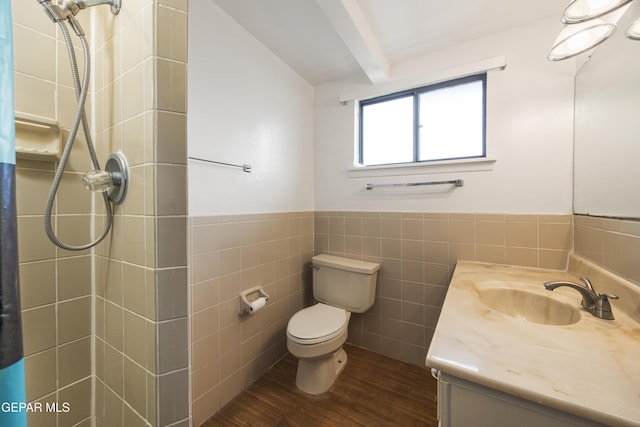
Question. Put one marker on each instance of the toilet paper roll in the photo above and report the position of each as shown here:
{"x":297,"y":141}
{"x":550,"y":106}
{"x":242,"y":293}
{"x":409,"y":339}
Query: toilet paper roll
{"x":257,"y":304}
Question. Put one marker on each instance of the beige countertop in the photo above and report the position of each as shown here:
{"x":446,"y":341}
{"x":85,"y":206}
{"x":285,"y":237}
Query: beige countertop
{"x":590,"y":368}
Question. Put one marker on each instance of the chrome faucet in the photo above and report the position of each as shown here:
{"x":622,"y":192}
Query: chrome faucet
{"x":595,"y":303}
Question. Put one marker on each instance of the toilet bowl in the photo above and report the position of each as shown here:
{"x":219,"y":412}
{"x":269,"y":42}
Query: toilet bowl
{"x":316,"y":334}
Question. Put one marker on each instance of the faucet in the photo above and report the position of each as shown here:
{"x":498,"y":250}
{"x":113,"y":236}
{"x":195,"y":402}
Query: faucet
{"x":595,"y":303}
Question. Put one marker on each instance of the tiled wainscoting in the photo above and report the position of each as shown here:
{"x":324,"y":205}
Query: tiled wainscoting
{"x":229,"y":254}
{"x":418,"y":252}
{"x":611,"y":243}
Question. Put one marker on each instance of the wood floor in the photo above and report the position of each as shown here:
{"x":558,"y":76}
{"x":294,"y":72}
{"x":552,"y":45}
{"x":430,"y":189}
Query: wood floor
{"x":373,"y":390}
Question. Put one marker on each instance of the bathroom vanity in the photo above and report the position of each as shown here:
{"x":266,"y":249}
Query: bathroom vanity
{"x":463,"y":403}
{"x":506,"y":351}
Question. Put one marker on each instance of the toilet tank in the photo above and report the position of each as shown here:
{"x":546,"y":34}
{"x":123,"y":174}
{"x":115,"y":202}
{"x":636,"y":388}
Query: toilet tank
{"x":344,"y":282}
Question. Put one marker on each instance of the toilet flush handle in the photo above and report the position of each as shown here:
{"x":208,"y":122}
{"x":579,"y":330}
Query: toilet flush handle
{"x":314,"y":266}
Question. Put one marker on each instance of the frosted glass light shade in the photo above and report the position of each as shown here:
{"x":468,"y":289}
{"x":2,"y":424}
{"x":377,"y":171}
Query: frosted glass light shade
{"x":583,"y":10}
{"x":578,"y":38}
{"x":634,"y":30}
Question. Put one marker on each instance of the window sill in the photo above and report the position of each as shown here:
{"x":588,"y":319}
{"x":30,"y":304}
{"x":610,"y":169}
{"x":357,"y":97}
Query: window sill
{"x":444,"y":166}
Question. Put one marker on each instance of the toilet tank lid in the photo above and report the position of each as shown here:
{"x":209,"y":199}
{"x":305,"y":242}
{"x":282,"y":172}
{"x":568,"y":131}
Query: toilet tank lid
{"x":348,"y":264}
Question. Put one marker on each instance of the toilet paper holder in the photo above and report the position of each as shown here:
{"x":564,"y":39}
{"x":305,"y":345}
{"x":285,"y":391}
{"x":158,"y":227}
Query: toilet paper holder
{"x":246,"y":306}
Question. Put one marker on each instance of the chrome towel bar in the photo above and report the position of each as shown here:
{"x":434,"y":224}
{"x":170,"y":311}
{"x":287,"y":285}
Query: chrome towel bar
{"x":456,"y":182}
{"x":245,"y":168}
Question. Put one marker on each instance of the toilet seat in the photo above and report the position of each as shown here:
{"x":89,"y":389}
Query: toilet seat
{"x":316,"y":324}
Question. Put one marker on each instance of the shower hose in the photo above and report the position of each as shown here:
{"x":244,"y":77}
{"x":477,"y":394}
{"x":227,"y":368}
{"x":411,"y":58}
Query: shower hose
{"x":81,"y":90}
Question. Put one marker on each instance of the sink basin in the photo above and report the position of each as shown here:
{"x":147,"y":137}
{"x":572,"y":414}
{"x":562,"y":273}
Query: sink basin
{"x":529,"y":306}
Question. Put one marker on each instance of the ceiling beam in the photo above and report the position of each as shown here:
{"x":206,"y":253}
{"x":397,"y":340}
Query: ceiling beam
{"x":352,"y":26}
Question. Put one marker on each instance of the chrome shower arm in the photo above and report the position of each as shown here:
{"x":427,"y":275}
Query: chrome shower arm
{"x":88,"y":3}
{"x":115,"y":4}
{"x":83,"y":4}
{"x":67,"y":9}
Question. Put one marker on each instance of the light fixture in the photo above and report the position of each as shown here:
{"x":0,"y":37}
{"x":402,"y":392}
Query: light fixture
{"x":578,"y":38}
{"x":634,"y":30}
{"x":583,"y":10}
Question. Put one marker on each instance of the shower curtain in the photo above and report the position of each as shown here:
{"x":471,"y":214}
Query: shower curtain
{"x":13,"y":404}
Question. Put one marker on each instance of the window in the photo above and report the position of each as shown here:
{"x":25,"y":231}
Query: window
{"x":439,"y":122}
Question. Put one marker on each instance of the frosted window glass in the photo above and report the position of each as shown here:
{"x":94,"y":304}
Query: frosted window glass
{"x":451,"y":122}
{"x":387,"y":132}
{"x":438,"y":122}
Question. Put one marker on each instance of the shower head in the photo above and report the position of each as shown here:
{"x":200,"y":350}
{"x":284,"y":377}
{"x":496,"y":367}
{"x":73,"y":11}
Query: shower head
{"x":56,"y":13}
{"x":66,"y":9}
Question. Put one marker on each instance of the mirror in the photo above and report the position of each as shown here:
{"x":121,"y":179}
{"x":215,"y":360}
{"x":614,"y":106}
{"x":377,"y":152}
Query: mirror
{"x":607,"y":128}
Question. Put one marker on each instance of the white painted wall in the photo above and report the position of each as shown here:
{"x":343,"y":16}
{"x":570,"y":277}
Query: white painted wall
{"x":245,"y":106}
{"x":529,"y":132}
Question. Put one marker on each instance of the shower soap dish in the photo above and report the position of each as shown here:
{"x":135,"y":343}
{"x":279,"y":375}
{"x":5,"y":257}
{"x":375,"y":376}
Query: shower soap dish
{"x":37,"y":138}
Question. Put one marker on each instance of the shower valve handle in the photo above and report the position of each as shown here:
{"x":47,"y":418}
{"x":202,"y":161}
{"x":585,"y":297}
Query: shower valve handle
{"x":113,"y":179}
{"x":98,"y":180}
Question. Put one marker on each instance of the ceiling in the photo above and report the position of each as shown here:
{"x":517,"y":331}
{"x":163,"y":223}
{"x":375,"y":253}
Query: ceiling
{"x":325,"y":40}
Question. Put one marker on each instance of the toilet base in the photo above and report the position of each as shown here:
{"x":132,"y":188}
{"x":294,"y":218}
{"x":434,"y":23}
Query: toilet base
{"x":316,"y":376}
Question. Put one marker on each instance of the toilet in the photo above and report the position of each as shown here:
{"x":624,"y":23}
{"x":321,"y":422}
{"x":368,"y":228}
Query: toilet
{"x":315,"y":334}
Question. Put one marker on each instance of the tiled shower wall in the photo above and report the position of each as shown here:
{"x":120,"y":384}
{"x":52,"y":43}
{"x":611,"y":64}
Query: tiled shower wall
{"x":55,"y":285}
{"x":141,"y":353}
{"x":140,"y":274}
{"x":611,"y":243}
{"x":125,"y":262}
{"x":418,"y":253}
{"x":229,"y":254}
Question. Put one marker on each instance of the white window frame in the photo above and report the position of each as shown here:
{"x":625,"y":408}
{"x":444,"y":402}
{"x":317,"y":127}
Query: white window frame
{"x":424,"y":78}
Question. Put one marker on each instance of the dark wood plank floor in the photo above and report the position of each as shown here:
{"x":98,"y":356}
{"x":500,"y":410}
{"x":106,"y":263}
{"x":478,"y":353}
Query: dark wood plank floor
{"x":373,"y":390}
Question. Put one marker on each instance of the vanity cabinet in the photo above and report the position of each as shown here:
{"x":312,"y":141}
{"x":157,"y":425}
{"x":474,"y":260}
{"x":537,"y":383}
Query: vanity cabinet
{"x":500,"y":365}
{"x":465,"y":404}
